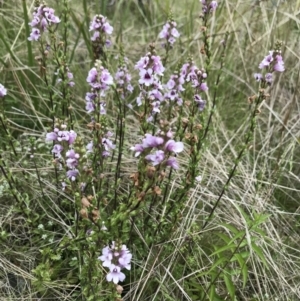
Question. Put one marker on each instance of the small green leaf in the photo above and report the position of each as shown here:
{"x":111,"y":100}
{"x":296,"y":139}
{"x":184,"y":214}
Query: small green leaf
{"x":229,"y":285}
{"x":260,"y":254}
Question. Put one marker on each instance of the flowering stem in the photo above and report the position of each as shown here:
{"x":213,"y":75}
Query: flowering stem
{"x":201,"y":139}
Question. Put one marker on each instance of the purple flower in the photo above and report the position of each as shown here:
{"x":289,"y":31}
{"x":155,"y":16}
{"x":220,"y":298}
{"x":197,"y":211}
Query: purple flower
{"x":72,"y":160}
{"x":158,"y":67}
{"x":142,"y":63}
{"x":90,"y":107}
{"x":156,"y":158}
{"x":138,"y":149}
{"x":89,"y":147}
{"x":213,"y":5}
{"x":206,"y":8}
{"x":172,"y":162}
{"x":72,"y":137}
{"x":203,"y":87}
{"x":258,"y":76}
{"x":108,"y":145}
{"x":43,"y":17}
{"x":115,"y":275}
{"x":57,"y":149}
{"x":152,"y":141}
{"x":34,"y":35}
{"x":116,"y":257}
{"x":200,"y":102}
{"x":266,"y":61}
{"x":125,"y":258}
{"x":99,"y":23}
{"x":106,"y":78}
{"x":92,"y":76}
{"x":72,"y":174}
{"x":269,"y":78}
{"x":279,"y":65}
{"x":106,"y":257}
{"x":146,"y":77}
{"x":123,"y":79}
{"x":169,"y":32}
{"x":3,"y":91}
{"x":99,"y":79}
{"x":172,"y":146}
{"x":51,"y":136}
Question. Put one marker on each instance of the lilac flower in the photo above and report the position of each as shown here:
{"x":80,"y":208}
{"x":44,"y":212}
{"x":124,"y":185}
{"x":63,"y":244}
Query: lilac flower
{"x":63,"y":136}
{"x":198,"y":179}
{"x":34,"y":35}
{"x":142,"y":63}
{"x":138,"y":149}
{"x":209,"y":7}
{"x":279,"y":65}
{"x":101,"y":29}
{"x":3,"y":91}
{"x":116,"y":257}
{"x":72,"y":160}
{"x":174,"y":87}
{"x":123,"y":79}
{"x":213,"y":6}
{"x":51,"y":136}
{"x":43,"y":17}
{"x":273,"y":62}
{"x":89,"y":147}
{"x":169,"y":33}
{"x":156,"y":158}
{"x":200,"y":102}
{"x":258,"y":76}
{"x":72,"y":174}
{"x":92,"y":76}
{"x":266,"y":61}
{"x":99,"y":23}
{"x":115,"y":275}
{"x":106,"y":257}
{"x":172,"y":162}
{"x":108,"y":145}
{"x":99,"y":79}
{"x":203,"y":87}
{"x":72,"y":137}
{"x":172,"y":146}
{"x":269,"y":78}
{"x":158,"y":67}
{"x":152,"y":141}
{"x":57,"y":149}
{"x":146,"y":77}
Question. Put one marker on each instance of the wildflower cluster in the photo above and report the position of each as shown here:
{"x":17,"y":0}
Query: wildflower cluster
{"x":161,"y":147}
{"x":63,"y":139}
{"x":69,"y":75}
{"x":116,"y":257}
{"x":43,"y":17}
{"x":150,"y":69}
{"x":99,"y":80}
{"x":174,"y":87}
{"x":3,"y":91}
{"x":101,"y":30}
{"x":196,"y":77}
{"x":208,"y":6}
{"x":169,"y":33}
{"x":273,"y":62}
{"x":123,"y":79}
